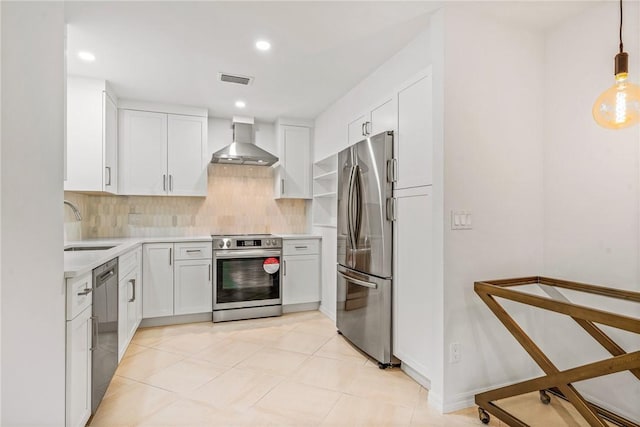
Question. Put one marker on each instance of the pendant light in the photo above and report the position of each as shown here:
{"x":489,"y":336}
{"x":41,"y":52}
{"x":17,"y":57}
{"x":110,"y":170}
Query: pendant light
{"x":619,"y":106}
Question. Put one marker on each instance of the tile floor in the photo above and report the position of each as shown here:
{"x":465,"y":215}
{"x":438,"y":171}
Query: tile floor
{"x":293,"y":370}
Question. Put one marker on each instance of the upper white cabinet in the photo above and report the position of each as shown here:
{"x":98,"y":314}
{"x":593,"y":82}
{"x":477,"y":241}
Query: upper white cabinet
{"x":414,"y":149}
{"x":162,"y":153}
{"x":293,"y":173}
{"x":92,"y":132}
{"x":381,"y":117}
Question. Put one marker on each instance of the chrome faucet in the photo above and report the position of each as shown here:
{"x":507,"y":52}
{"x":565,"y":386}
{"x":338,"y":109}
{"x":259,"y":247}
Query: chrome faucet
{"x":75,"y":210}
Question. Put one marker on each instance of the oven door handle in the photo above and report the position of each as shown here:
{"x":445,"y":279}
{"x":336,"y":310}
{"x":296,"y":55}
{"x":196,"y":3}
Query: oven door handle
{"x":247,"y":253}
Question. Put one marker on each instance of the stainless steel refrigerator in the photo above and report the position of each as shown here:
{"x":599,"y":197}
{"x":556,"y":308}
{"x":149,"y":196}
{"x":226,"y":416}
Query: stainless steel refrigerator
{"x":366,"y":172}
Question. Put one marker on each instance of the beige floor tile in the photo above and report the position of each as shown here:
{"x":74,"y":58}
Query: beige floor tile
{"x":355,"y":411}
{"x":296,"y":404}
{"x":266,"y":335}
{"x":388,"y":385}
{"x":274,"y":361}
{"x":183,"y":412}
{"x":338,"y":348}
{"x":236,"y":389}
{"x":184,"y":376}
{"x":131,"y":406}
{"x":300,"y":342}
{"x":148,"y":336}
{"x":332,"y":374}
{"x":189,"y":343}
{"x":228,"y":353}
{"x":318,"y":326}
{"x":146,"y":363}
{"x":118,"y":385}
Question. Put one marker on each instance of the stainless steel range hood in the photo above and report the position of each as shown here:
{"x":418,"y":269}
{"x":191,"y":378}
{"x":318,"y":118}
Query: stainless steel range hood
{"x":243,"y":151}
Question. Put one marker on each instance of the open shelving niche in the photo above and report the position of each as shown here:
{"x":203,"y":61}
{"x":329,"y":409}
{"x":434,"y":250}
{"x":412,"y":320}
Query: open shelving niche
{"x":325,"y":185}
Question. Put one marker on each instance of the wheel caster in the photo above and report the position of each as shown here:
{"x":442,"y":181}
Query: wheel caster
{"x":544,"y":397}
{"x":383,"y":365}
{"x":339,"y":333}
{"x":484,"y":416}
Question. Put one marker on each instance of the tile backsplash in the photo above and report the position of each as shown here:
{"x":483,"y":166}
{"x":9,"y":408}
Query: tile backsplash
{"x":239,"y":200}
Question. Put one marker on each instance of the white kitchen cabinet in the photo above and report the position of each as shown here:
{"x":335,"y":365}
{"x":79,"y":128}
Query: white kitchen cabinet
{"x":78,"y":351}
{"x":414,"y":149}
{"x":157,"y":273}
{"x":177,"y":279}
{"x":300,"y":274}
{"x":293,"y":173}
{"x":129,"y":297}
{"x":162,"y":154}
{"x":192,"y":286}
{"x":325,"y":183}
{"x":92,"y":132}
{"x":414,"y":290}
{"x":379,"y":118}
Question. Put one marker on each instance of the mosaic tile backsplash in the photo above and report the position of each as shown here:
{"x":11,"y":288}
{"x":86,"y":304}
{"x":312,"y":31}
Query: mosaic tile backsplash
{"x":239,"y":200}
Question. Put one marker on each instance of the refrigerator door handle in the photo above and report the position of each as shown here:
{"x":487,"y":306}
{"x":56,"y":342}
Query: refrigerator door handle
{"x":350,"y":208}
{"x":358,"y":206}
{"x":358,"y":281}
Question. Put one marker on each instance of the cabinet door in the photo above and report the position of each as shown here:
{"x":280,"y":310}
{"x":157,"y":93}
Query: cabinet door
{"x":301,"y":282}
{"x":192,"y":291}
{"x":139,"y":290}
{"x":297,"y":162}
{"x":356,"y":129}
{"x":133,"y":294}
{"x":415,"y":135}
{"x":383,"y":118}
{"x":157,"y":262}
{"x":123,"y":317}
{"x":142,"y":153}
{"x":186,"y":155}
{"x":415,"y":297}
{"x":78,"y":385}
{"x":110,"y":138}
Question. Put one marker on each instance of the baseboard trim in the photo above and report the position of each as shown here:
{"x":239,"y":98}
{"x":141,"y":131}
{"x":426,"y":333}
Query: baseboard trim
{"x":417,"y":376}
{"x":329,"y":313}
{"x":305,"y":306}
{"x":176,"y":320}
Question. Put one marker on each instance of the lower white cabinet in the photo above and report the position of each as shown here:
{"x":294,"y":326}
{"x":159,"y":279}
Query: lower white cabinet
{"x":78,"y":351}
{"x":129,"y":298}
{"x":415,"y":299}
{"x":301,"y":272}
{"x":178,"y":279}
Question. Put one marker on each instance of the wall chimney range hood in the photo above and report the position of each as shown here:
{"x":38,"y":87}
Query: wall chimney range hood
{"x":243,"y":151}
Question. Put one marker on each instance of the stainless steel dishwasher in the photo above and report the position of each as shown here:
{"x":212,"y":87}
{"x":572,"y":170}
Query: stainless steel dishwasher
{"x":104,"y":342}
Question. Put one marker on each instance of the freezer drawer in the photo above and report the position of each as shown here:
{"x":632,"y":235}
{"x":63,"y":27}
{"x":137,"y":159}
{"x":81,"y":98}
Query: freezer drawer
{"x":364,"y":313}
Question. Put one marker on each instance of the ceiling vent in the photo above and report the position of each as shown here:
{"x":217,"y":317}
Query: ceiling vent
{"x":235,"y":78}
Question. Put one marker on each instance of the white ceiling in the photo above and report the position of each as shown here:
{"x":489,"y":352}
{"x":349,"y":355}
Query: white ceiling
{"x":171,"y":52}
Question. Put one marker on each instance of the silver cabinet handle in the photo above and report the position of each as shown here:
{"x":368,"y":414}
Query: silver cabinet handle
{"x":108,"y":168}
{"x":301,"y":247}
{"x":133,"y":296}
{"x":193,"y":250}
{"x":94,"y":333}
{"x":367,"y":128}
{"x":170,"y":250}
{"x":170,"y":182}
{"x":284,"y":267}
{"x":164,"y":182}
{"x":392,"y":170}
{"x":85,"y":291}
{"x":362,"y":129}
{"x":391,"y":209}
{"x":210,"y":269}
{"x":358,"y":281}
{"x":282,"y":186}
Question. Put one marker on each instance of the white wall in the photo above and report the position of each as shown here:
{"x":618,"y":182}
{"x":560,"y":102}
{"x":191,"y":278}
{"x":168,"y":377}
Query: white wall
{"x":591,"y":185}
{"x":32,"y":299}
{"x":493,"y":107}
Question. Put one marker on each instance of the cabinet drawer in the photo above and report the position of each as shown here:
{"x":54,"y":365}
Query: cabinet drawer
{"x":79,"y":294}
{"x":192,"y":250}
{"x":129,"y":261}
{"x":301,"y":247}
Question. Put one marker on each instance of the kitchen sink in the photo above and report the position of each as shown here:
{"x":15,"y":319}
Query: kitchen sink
{"x":88,"y":248}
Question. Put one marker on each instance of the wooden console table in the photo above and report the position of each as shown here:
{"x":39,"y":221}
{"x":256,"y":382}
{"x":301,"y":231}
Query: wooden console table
{"x":556,"y":381}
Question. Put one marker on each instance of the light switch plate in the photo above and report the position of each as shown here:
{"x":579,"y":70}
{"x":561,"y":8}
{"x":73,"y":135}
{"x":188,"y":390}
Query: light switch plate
{"x":461,"y":220}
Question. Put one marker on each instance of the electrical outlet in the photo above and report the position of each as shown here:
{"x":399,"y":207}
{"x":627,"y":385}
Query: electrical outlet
{"x":455,"y":352}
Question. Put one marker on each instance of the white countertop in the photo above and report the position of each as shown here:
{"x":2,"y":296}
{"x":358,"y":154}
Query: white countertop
{"x":77,"y":263}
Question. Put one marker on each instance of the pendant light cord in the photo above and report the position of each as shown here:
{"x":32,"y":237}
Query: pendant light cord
{"x":621,"y":49}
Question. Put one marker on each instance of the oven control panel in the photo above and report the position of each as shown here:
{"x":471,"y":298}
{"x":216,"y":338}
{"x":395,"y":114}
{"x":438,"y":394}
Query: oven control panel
{"x":247,"y":242}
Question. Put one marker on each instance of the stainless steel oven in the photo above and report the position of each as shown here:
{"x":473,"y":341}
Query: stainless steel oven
{"x":247,"y":279}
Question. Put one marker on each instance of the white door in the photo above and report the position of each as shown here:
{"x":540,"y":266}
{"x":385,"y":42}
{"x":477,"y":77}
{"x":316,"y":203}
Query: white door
{"x":415,"y":297}
{"x":133,"y":295}
{"x":187,"y":165}
{"x":415,"y":135}
{"x":157,"y":262}
{"x":193,"y":292}
{"x":297,"y":162}
{"x":78,"y":387}
{"x":142,"y":151}
{"x":356,"y":130}
{"x":110,"y":138}
{"x":301,"y":282}
{"x":383,"y":118}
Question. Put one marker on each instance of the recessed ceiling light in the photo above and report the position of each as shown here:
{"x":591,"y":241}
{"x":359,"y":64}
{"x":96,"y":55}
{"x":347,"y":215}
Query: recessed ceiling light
{"x":240,"y":104}
{"x":263,"y":45}
{"x":86,"y":56}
